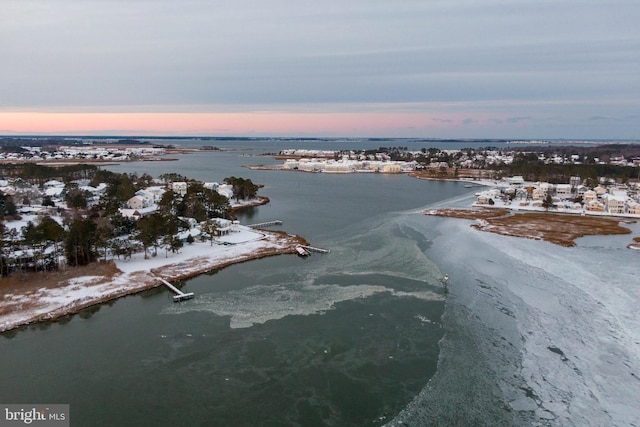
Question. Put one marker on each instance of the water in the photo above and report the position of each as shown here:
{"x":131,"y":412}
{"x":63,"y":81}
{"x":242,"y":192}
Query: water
{"x":347,"y":338}
{"x":529,"y":334}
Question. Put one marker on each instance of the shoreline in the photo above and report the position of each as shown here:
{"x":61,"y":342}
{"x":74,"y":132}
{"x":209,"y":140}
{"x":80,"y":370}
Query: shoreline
{"x":49,"y":300}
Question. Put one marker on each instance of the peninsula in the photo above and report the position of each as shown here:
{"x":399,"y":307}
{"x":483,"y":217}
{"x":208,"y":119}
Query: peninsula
{"x":76,"y":236}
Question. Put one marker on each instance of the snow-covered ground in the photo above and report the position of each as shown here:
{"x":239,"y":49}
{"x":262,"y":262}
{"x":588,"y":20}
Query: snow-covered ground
{"x":138,"y":274}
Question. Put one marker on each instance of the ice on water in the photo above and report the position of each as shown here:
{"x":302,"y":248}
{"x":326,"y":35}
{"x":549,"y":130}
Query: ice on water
{"x":558,"y":328}
{"x":379,"y":260}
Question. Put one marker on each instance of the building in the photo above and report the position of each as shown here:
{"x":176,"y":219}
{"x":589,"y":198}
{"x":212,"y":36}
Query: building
{"x":179,"y":187}
{"x":391,"y":168}
{"x":594,"y":206}
{"x":589,"y":196}
{"x":563,"y":191}
{"x":615,"y":204}
{"x":136,"y":202}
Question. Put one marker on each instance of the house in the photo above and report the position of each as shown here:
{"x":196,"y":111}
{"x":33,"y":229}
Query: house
{"x":53,"y":183}
{"x":55,"y":193}
{"x":485,"y":197}
{"x":589,"y":196}
{"x":563,"y":191}
{"x":179,"y":187}
{"x":538,"y":194}
{"x":615,"y":204}
{"x":153,"y":194}
{"x":391,"y":168}
{"x":594,"y":206}
{"x":138,"y":213}
{"x":633,"y":208}
{"x":600,"y":190}
{"x":225,"y":190}
{"x":136,"y":202}
{"x":516,"y":180}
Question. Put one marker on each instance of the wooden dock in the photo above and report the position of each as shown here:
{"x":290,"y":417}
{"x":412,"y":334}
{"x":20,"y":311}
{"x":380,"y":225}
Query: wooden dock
{"x":266,"y":224}
{"x":179,"y":295}
{"x":312,"y":249}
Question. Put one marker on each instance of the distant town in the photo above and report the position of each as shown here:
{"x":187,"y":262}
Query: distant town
{"x":609,"y":183}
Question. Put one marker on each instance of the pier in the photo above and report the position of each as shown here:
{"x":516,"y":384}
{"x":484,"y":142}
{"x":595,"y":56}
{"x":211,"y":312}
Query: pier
{"x":179,"y":295}
{"x":265,"y":224}
{"x":312,"y":249}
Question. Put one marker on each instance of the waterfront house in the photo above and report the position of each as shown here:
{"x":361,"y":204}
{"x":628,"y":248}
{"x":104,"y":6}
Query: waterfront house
{"x":563,"y":191}
{"x":589,"y":196}
{"x":594,"y":206}
{"x":614,"y":204}
{"x":633,"y":208}
{"x":538,"y":194}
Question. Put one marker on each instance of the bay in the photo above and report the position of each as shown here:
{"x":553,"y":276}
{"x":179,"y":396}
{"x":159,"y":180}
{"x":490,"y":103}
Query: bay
{"x":348,"y":338}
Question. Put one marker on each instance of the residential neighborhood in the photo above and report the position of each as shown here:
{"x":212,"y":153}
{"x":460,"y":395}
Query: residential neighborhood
{"x":50,"y":223}
{"x":607,"y":198}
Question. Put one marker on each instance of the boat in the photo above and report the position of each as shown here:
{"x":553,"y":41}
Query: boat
{"x":302,"y":251}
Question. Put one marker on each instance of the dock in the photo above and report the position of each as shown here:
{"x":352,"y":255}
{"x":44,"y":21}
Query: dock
{"x":312,"y":249}
{"x":179,"y":295}
{"x":265,"y":224}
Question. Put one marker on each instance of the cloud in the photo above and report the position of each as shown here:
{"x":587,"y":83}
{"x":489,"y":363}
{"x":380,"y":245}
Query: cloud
{"x":475,"y":57}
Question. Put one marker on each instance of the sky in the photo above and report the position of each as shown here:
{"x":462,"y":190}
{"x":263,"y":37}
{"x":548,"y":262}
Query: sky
{"x":332,"y":68}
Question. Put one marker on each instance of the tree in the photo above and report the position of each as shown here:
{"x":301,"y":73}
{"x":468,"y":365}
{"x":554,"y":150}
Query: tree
{"x":169,"y":203}
{"x":171,"y":243}
{"x":153,"y":228}
{"x":47,"y":201}
{"x":3,"y":244}
{"x":242,"y":188}
{"x":210,"y":229}
{"x":80,"y":242}
{"x":149,"y":231}
{"x":53,"y":233}
{"x":547,"y":202}
{"x":76,"y":198}
{"x":144,"y":181}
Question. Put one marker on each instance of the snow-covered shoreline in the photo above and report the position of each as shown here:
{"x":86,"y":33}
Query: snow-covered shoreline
{"x":139,"y":274}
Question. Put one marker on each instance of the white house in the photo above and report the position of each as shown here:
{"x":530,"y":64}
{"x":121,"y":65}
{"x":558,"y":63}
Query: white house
{"x":563,"y":191}
{"x":136,"y":202}
{"x":179,"y":187}
{"x":516,"y":180}
{"x":225,"y":190}
{"x":614,"y":204}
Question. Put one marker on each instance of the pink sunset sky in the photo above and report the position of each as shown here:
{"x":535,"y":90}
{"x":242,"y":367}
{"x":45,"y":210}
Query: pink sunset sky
{"x":237,"y":123}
